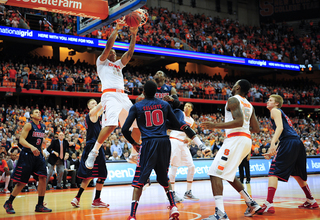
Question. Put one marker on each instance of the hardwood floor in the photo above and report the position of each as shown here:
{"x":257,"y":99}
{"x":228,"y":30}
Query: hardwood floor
{"x":153,"y":203}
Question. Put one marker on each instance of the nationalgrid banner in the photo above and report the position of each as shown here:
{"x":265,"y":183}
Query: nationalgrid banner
{"x":123,"y":173}
{"x":98,"y":43}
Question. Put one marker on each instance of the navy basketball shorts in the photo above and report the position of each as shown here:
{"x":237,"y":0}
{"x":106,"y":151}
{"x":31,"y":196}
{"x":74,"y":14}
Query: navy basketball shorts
{"x":27,"y":165}
{"x":180,"y":116}
{"x":99,"y":169}
{"x":290,"y":160}
{"x":154,"y":154}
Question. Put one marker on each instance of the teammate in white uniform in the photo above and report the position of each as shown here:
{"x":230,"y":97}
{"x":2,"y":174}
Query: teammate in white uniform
{"x":116,"y":104}
{"x":181,"y":155}
{"x":240,"y":120}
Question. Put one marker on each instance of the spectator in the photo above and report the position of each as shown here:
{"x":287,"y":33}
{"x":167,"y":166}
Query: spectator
{"x":4,"y":173}
{"x":115,"y":156}
{"x":116,"y":147}
{"x":198,"y":155}
{"x":69,"y":171}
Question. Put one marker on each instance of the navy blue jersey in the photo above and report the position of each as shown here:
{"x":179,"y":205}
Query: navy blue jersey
{"x":151,"y":116}
{"x":35,"y":136}
{"x":93,"y":129}
{"x":163,"y":91}
{"x":288,"y":131}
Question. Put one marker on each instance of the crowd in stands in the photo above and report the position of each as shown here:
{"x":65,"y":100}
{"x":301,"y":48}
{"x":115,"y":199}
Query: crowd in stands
{"x":44,"y":73}
{"x":277,"y":42}
{"x":71,"y":122}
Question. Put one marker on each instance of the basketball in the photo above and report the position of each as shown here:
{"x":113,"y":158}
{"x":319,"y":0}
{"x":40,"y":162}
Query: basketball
{"x":133,"y":19}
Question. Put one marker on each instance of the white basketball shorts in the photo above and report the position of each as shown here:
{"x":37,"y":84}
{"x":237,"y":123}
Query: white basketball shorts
{"x":229,"y":157}
{"x":116,"y":107}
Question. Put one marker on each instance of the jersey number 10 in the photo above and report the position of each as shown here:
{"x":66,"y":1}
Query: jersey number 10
{"x":154,"y":118}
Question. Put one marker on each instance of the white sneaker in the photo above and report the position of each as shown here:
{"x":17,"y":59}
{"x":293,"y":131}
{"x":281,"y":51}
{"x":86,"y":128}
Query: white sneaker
{"x":252,"y":209}
{"x":133,"y":158}
{"x":75,"y":202}
{"x":189,"y":195}
{"x":174,"y":213}
{"x":91,"y":158}
{"x":177,"y":199}
{"x":218,"y":215}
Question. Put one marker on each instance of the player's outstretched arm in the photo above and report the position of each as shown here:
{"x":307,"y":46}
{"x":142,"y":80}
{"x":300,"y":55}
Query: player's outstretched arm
{"x":126,"y":57}
{"x":110,"y":43}
{"x":254,"y":124}
{"x":96,"y":111}
{"x":233,"y":105}
{"x":24,"y":142}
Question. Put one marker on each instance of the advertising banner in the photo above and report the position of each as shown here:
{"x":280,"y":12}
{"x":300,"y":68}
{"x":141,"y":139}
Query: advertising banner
{"x":97,"y":9}
{"x":123,"y":173}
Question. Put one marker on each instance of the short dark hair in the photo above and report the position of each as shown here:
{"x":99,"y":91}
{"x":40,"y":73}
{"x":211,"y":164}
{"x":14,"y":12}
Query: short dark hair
{"x":245,"y":86}
{"x":31,"y":112}
{"x":192,"y":106}
{"x":150,"y":88}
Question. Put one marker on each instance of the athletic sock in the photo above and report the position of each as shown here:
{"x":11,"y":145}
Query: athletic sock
{"x":271,"y":192}
{"x":134,"y":206}
{"x":170,"y":197}
{"x":307,"y":191}
{"x":40,"y":200}
{"x":80,"y":192}
{"x":11,"y":198}
{"x":219,"y":203}
{"x":189,"y":185}
{"x":96,"y":146}
{"x":98,"y":192}
{"x":245,"y":195}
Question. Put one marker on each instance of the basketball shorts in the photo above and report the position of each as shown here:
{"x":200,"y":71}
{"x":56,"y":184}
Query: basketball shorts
{"x":154,"y":154}
{"x":180,"y":154}
{"x":229,"y":157}
{"x":290,"y":160}
{"x":99,"y":169}
{"x":27,"y":165}
{"x":116,"y":109}
{"x":180,"y":116}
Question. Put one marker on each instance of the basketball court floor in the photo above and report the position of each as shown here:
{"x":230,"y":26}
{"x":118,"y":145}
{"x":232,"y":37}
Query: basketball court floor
{"x":153,"y":204}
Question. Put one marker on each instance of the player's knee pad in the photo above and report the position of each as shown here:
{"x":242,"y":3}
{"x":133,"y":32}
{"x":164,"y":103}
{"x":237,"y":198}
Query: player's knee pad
{"x":172,"y":173}
{"x":189,"y":131}
{"x":100,"y":181}
{"x":191,"y":171}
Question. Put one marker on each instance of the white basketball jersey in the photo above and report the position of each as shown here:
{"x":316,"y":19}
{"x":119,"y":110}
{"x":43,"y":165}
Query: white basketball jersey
{"x":110,"y":74}
{"x":179,"y":134}
{"x":247,"y":109}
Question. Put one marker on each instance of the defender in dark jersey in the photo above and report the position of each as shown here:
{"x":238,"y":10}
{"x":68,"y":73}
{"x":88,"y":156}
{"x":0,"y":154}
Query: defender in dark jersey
{"x":289,"y":156}
{"x":169,"y":94}
{"x":31,"y":162}
{"x":93,"y":127}
{"x":151,"y":115}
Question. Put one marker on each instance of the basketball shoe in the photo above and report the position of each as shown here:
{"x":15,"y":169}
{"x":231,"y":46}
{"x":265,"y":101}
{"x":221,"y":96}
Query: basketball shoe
{"x":189,"y":195}
{"x":176,"y":197}
{"x":174,"y":213}
{"x":42,"y":208}
{"x":97,"y":203}
{"x":218,"y":215}
{"x":252,"y":209}
{"x":8,"y":207}
{"x":309,"y":204}
{"x":75,"y":202}
{"x":131,"y":218}
{"x":91,"y":158}
{"x":266,"y":207}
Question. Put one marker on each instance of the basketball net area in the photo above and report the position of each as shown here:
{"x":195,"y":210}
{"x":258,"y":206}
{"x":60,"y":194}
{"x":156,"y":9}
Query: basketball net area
{"x":91,"y":14}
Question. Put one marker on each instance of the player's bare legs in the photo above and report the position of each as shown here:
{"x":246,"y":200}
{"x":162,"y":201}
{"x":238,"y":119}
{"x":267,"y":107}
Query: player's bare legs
{"x":103,"y":135}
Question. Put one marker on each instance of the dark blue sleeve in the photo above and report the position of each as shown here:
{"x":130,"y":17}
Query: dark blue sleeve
{"x":127,"y":124}
{"x":172,"y":118}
